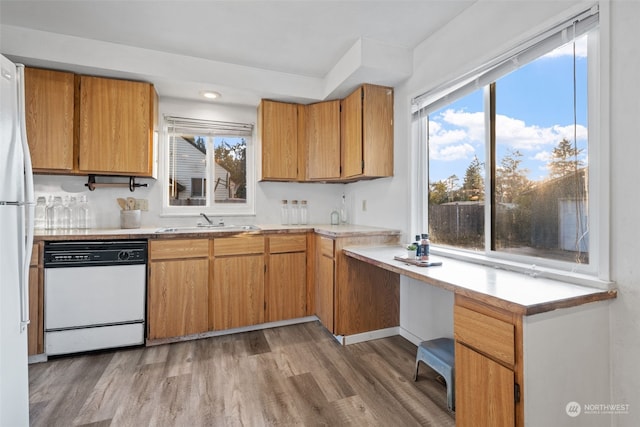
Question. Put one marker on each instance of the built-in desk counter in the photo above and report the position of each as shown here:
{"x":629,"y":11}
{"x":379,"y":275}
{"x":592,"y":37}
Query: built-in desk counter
{"x":526,"y":348}
{"x":516,"y":292}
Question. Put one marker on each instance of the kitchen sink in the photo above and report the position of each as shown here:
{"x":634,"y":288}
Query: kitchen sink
{"x":208,"y":228}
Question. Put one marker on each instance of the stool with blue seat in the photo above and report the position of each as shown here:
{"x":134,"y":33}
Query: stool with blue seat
{"x":439,"y":355}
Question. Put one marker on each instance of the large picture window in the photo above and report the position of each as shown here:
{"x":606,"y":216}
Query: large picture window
{"x":507,"y":155}
{"x":209,"y":167}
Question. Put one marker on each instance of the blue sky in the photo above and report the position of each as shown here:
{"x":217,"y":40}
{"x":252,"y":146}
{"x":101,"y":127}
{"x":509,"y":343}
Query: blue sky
{"x":534,"y":108}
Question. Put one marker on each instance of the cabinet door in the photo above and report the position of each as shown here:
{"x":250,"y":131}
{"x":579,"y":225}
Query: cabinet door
{"x":323,"y":140}
{"x":324,"y":298}
{"x":178,"y":295}
{"x":351,"y":134}
{"x":278,"y":127}
{"x":116,"y":126}
{"x":484,"y":390}
{"x":286,"y":295}
{"x":367,"y":132}
{"x":377,"y":131}
{"x":35,"y":329}
{"x":238,"y":291}
{"x":49,"y":115}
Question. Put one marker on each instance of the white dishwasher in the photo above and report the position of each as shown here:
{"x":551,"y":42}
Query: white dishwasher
{"x":94,"y":295}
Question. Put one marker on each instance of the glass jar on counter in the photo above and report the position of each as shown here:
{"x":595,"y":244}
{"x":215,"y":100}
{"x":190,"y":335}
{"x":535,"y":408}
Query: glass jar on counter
{"x":40,"y":214}
{"x":284,"y":213}
{"x":55,"y":214}
{"x":304,"y":214}
{"x":83,"y":213}
{"x":294,"y":215}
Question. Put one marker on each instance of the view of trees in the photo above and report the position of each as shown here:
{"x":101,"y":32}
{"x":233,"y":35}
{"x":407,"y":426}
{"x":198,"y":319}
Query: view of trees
{"x":513,"y":198}
{"x":233,"y":157}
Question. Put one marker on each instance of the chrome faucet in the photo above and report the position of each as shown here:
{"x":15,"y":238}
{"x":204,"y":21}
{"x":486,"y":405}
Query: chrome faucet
{"x":220,"y":223}
{"x":206,"y":218}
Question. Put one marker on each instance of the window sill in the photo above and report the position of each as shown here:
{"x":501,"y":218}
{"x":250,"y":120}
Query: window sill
{"x":532,"y":270}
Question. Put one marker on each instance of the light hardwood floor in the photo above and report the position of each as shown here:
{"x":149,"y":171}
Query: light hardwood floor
{"x":287,"y":376}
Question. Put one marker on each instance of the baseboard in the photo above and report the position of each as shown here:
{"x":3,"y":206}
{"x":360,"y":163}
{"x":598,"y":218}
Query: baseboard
{"x":368,"y":336}
{"x":37,"y":358}
{"x":232,"y":331}
{"x":414,"y":339}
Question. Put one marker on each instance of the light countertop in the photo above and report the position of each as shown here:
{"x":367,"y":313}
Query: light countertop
{"x":517,"y":292}
{"x":343,"y":230}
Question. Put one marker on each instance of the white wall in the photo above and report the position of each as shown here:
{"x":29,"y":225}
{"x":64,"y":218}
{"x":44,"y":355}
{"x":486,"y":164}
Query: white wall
{"x":625,"y":233}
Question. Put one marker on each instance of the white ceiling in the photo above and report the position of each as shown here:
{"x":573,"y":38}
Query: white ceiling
{"x":253,"y":49}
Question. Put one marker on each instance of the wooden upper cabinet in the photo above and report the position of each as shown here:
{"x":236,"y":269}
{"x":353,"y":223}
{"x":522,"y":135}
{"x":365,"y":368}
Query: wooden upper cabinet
{"x":367,"y":133}
{"x":323,"y":140}
{"x":117,"y":119}
{"x":49,"y":114}
{"x":278,"y":127}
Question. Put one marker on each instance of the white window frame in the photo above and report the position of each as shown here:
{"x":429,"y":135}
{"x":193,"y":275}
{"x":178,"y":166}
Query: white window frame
{"x":597,"y":272}
{"x":215,"y":209}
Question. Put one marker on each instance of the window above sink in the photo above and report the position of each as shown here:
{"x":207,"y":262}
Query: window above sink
{"x":207,"y":164}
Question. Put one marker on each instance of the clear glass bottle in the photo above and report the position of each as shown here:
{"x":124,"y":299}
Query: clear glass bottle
{"x":40,"y":214}
{"x":335,"y":218}
{"x":65,"y":221}
{"x":304,"y":213}
{"x":83,"y":212}
{"x":343,"y":210}
{"x":294,"y":217}
{"x":55,"y":214}
{"x":72,"y":209}
{"x":284,"y":213}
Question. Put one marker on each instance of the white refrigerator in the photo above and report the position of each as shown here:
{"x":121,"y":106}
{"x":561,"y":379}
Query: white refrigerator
{"x":16,"y":239}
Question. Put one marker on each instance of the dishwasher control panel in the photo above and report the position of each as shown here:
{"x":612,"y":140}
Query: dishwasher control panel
{"x":85,"y":253}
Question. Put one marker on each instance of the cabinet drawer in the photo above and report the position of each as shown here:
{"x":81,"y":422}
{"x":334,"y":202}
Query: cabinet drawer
{"x":175,"y":249}
{"x":288,"y":243}
{"x":326,"y":247}
{"x":241,"y":245}
{"x":489,"y":335}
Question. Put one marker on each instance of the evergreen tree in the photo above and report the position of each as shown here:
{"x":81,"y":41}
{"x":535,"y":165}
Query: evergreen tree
{"x":564,"y":159}
{"x":438,"y":193}
{"x":511,"y":180}
{"x":473,"y":184}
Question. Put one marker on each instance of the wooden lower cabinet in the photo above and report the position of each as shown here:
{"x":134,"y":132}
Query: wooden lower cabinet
{"x":325,"y":280}
{"x":488,"y":363}
{"x":351,"y":296}
{"x":237,"y":287}
{"x":178,"y":288}
{"x":286,"y":280}
{"x":484,"y":390}
{"x":35,"y":330}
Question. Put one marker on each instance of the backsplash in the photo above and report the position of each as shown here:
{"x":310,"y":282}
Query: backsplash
{"x":105,"y":211}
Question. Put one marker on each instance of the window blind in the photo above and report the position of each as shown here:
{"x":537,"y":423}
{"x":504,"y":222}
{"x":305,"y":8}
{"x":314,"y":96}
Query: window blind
{"x":181,"y":125}
{"x":522,"y":54}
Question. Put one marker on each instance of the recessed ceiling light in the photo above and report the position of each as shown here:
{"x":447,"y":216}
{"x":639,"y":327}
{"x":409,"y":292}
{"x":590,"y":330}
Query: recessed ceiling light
{"x":209,"y":94}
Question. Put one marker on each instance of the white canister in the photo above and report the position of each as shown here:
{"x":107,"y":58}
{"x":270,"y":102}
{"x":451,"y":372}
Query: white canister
{"x":130,"y":218}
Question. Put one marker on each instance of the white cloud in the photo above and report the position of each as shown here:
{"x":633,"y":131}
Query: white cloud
{"x":543,"y":156}
{"x":567,"y":49}
{"x":451,"y":152}
{"x":461,"y":131}
{"x":517,"y":134}
{"x":453,"y":134}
